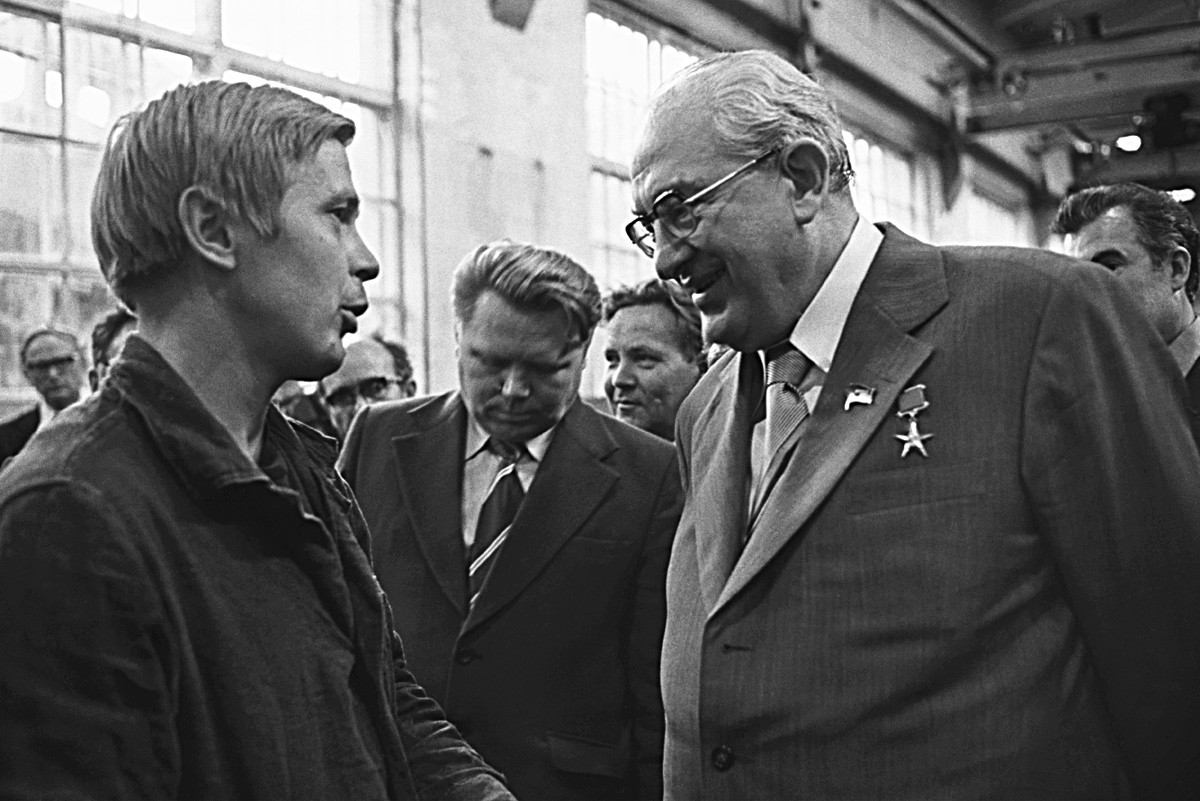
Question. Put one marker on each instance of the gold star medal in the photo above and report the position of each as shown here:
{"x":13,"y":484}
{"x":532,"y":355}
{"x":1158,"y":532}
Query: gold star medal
{"x":912,"y":402}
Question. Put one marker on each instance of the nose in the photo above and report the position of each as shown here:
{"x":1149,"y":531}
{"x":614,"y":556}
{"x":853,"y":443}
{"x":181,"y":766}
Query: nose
{"x":363,"y":264}
{"x":669,"y":258}
{"x":623,"y":374}
{"x":515,"y":385}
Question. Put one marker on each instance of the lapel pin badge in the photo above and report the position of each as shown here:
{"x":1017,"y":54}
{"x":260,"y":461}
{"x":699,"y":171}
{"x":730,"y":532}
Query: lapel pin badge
{"x":858,"y":393}
{"x":912,"y":402}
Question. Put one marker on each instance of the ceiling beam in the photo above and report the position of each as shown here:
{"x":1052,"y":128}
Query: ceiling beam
{"x":1152,"y":44}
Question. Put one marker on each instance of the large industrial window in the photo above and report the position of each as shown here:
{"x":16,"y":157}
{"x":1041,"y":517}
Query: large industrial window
{"x":68,"y":69}
{"x":624,"y":67}
{"x":887,"y":185}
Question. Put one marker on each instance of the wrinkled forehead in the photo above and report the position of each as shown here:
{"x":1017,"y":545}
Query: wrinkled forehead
{"x":678,"y":150}
{"x":49,"y":346}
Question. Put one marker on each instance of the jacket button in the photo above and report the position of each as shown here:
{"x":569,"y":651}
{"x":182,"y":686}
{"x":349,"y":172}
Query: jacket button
{"x":723,"y":758}
{"x":466,"y":656}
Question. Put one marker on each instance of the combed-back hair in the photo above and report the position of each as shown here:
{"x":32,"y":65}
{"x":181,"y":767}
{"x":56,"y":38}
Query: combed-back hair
{"x":530,"y":277}
{"x":106,"y":331}
{"x":235,"y":140}
{"x":1162,"y":222}
{"x":672,"y":297}
{"x":399,"y":354}
{"x":761,"y":103}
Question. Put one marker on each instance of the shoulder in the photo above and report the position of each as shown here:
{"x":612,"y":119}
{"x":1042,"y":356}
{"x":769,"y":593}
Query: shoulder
{"x":620,"y":443}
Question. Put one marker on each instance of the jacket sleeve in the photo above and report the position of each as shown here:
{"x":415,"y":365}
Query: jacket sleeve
{"x":1112,"y":473}
{"x":444,"y":767}
{"x":85,"y":692}
{"x":646,"y":634}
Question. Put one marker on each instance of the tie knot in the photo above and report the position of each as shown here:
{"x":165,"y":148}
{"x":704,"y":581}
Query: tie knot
{"x":507,"y":451}
{"x":785,"y":365}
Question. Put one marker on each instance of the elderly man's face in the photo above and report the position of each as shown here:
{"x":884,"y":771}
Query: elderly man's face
{"x":519,"y":370}
{"x":648,"y":374}
{"x":367,"y":375}
{"x":54,"y":367}
{"x":1111,"y":240}
{"x":744,"y":264}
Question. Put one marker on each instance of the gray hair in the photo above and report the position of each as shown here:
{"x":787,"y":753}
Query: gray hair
{"x":761,"y":103}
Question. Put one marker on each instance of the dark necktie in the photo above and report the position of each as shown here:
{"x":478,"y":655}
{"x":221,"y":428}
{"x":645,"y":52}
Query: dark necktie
{"x":495,"y":516}
{"x":786,"y":407}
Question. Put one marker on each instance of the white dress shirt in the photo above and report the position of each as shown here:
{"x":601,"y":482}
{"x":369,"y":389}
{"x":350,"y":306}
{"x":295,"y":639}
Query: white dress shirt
{"x":480,"y":466}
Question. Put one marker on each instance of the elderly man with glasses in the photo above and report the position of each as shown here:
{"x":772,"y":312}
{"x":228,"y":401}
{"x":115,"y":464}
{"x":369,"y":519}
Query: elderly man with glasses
{"x":371,"y":373}
{"x":940,"y":532}
{"x":52,"y":363}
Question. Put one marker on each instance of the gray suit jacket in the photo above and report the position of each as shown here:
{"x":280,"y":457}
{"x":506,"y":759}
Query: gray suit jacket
{"x":1016,"y":615}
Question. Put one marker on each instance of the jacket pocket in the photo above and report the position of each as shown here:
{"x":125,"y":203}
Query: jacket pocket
{"x":575,"y":754}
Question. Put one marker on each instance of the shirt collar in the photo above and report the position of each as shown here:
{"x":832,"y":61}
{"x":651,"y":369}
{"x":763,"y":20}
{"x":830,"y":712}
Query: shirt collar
{"x":1186,"y":347}
{"x":477,"y":438}
{"x":819,"y":328}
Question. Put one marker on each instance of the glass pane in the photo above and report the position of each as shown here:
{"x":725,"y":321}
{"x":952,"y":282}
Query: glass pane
{"x":29,"y":64}
{"x":163,"y":70}
{"x":30,"y":196}
{"x":83,"y":165}
{"x":178,"y":15}
{"x":103,"y":82}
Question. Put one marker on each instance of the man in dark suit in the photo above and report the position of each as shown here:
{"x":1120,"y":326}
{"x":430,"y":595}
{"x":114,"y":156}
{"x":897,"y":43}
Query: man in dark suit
{"x":944,"y":542}
{"x":523,"y":538}
{"x":1150,"y":243}
{"x":52,"y":363}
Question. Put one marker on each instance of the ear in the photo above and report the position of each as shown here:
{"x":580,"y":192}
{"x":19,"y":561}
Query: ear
{"x":806,"y":165}
{"x":1181,"y":266}
{"x":207,"y":226}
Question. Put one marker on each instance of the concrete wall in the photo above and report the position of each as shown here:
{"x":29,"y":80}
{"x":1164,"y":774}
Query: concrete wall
{"x":494,"y":146}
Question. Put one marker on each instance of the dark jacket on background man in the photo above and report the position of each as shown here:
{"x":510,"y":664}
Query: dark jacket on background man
{"x":181,"y":622}
{"x":16,"y":432}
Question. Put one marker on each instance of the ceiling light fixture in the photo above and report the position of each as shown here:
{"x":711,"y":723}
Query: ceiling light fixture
{"x":1130,"y":143}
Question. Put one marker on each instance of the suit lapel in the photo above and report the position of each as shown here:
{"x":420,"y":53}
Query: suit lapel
{"x":429,"y":466}
{"x":720,"y":467}
{"x":904,"y":287}
{"x":570,"y":483}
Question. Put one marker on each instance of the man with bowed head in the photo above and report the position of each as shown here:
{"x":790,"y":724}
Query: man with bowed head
{"x":940,"y":528}
{"x":524,"y":538}
{"x":189,"y":605}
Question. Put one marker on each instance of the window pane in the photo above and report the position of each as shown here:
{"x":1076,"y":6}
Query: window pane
{"x":103,"y":82}
{"x":162,"y":70}
{"x":31,"y":216}
{"x":178,"y":15}
{"x":83,"y":165}
{"x":29,"y":71}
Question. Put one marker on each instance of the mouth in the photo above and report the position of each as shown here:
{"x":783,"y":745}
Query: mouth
{"x":349,"y":321}
{"x":697,"y":285}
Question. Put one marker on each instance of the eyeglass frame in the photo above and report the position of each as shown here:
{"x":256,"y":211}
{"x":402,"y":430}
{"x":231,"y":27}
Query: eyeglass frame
{"x":648,"y":219}
{"x":357,"y":389}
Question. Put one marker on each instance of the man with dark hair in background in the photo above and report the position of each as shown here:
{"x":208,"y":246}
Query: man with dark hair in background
{"x":108,"y":338}
{"x":653,"y":351}
{"x":52,"y":363}
{"x":524,"y":538}
{"x":188,"y":602}
{"x":1150,"y":243}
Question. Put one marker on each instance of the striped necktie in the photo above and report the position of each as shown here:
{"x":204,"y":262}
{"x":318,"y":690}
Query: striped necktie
{"x":786,"y":407}
{"x":495,"y":516}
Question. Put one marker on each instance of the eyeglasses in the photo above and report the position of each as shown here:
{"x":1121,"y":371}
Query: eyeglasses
{"x":677,"y":215}
{"x":46,"y":365}
{"x":369,"y":389}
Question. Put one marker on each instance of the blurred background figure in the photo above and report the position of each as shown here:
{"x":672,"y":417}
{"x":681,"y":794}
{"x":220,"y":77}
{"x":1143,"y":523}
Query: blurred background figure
{"x":303,"y":405}
{"x":108,"y":338}
{"x":52,"y":363}
{"x":373,"y":371}
{"x":654,"y":353}
{"x":1150,"y":243}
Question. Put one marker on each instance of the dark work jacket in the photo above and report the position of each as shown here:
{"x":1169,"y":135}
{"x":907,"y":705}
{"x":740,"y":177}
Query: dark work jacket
{"x":1192,"y":379}
{"x":176,"y":624}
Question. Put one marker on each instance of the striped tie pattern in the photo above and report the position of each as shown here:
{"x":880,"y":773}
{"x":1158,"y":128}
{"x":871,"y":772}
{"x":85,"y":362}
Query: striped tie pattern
{"x":495,"y":516}
{"x":786,"y":407}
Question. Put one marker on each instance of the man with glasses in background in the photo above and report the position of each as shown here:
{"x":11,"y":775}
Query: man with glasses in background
{"x":52,"y":362}
{"x":370,"y":373}
{"x":940,"y":535}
